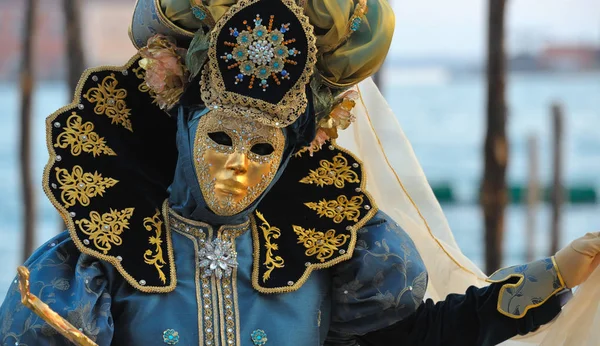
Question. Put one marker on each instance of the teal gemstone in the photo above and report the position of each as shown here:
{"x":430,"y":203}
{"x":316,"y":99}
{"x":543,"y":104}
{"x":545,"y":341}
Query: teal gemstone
{"x":280,"y":52}
{"x":259,"y":33}
{"x":276,"y":65}
{"x":240,"y":53}
{"x":263,"y":71}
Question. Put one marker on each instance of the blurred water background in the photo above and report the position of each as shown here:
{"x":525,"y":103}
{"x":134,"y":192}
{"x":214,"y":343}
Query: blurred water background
{"x":443,"y":116}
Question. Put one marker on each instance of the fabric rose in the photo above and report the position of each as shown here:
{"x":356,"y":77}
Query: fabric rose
{"x":339,"y":118}
{"x":166,"y":73}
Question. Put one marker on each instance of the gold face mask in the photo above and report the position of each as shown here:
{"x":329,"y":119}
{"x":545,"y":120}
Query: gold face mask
{"x":236,"y":159}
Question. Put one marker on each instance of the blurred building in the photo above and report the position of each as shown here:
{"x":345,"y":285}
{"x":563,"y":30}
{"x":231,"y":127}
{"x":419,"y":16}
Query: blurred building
{"x":570,"y":58}
{"x":104,"y":32}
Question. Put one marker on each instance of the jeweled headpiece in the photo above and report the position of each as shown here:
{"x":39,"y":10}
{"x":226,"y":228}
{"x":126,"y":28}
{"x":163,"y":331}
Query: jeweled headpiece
{"x":261,"y":56}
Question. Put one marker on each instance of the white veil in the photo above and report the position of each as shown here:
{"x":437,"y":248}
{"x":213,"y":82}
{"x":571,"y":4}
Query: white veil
{"x":399,"y":186}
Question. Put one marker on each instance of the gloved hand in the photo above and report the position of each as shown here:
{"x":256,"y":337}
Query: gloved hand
{"x":578,"y":260}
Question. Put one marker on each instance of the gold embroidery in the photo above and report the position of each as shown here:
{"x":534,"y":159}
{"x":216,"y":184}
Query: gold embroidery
{"x":106,"y":230}
{"x":110,"y":101}
{"x":339,"y":209}
{"x":80,"y":187}
{"x":337,"y":173}
{"x":81,"y":137}
{"x":269,"y":233}
{"x":323,"y":245}
{"x":155,"y":257}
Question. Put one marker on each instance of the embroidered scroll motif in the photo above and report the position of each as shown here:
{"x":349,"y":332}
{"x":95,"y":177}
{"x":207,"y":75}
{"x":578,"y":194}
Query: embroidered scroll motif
{"x":155,"y":258}
{"x":140,"y":73}
{"x":336,"y":172}
{"x":81,"y":137}
{"x":322,"y":245}
{"x":339,"y":209}
{"x":106,"y":229}
{"x":269,"y":233}
{"x":110,"y":101}
{"x":80,"y":187}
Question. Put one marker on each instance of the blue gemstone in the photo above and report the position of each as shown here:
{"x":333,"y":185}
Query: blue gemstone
{"x":170,"y":336}
{"x":259,"y":33}
{"x":276,"y":65}
{"x":291,"y":52}
{"x":248,"y":67}
{"x":263,"y":71}
{"x":263,"y":82}
{"x":274,"y":37}
{"x":280,"y":52}
{"x":236,"y":34}
{"x":284,"y":73}
{"x":240,"y":53}
{"x":240,"y":76}
{"x":244,"y":39}
{"x":283,"y":29}
{"x":229,"y":56}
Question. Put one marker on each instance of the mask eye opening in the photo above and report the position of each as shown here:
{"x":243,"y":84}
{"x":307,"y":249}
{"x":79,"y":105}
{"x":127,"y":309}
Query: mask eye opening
{"x":262,"y":149}
{"x":221,"y":138}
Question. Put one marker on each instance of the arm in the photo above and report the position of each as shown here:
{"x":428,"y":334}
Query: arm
{"x":469,"y":319}
{"x":65,"y":285}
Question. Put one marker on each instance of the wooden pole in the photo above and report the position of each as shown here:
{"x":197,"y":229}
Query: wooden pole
{"x":557,"y":183}
{"x":74,"y":46}
{"x":493,"y":191}
{"x":27,"y":81}
{"x":533,"y":197}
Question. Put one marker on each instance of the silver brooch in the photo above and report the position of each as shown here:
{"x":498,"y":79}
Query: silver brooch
{"x":217,"y":257}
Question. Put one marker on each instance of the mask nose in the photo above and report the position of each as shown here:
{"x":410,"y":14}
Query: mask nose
{"x":237,"y":162}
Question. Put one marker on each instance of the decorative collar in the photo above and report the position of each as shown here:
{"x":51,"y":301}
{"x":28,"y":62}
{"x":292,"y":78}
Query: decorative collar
{"x":309,"y":219}
{"x":112,"y":158}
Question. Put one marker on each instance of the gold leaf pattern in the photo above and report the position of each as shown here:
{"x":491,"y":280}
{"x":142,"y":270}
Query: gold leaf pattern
{"x":80,"y":187}
{"x":339,"y":209}
{"x":322,"y":245}
{"x":269,"y":233}
{"x":105,"y":230}
{"x":155,"y":258}
{"x":110,"y":101}
{"x":81,"y":137}
{"x":336,"y":172}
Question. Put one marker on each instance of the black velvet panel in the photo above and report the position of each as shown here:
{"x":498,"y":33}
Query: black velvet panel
{"x":283,"y":15}
{"x":284,"y":206}
{"x":144,"y":167}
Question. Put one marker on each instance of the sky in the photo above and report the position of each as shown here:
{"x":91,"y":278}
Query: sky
{"x":457,"y":28}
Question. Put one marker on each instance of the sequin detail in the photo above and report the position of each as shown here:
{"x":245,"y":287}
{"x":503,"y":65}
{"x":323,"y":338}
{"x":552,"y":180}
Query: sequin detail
{"x":170,"y":337}
{"x":259,"y":337}
{"x":261,"y":53}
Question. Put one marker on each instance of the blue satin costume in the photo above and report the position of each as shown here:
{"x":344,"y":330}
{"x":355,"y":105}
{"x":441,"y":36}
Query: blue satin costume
{"x":374,"y":297}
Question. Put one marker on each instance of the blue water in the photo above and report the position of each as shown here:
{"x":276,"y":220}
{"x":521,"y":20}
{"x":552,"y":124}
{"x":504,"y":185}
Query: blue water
{"x":444,"y":119}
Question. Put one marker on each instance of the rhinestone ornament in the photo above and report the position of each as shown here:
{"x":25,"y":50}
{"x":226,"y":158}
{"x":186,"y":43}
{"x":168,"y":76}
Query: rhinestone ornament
{"x":218,"y":258}
{"x":170,"y":337}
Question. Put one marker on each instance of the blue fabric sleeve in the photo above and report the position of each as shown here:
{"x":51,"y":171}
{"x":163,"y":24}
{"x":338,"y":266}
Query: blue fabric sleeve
{"x":384,"y":282}
{"x":72,"y":284}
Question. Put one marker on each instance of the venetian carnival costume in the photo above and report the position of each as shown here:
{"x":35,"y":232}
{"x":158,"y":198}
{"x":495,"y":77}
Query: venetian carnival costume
{"x":209,"y":202}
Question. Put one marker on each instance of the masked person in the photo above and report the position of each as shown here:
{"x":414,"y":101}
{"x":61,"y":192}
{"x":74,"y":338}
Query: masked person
{"x":208,"y":202}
